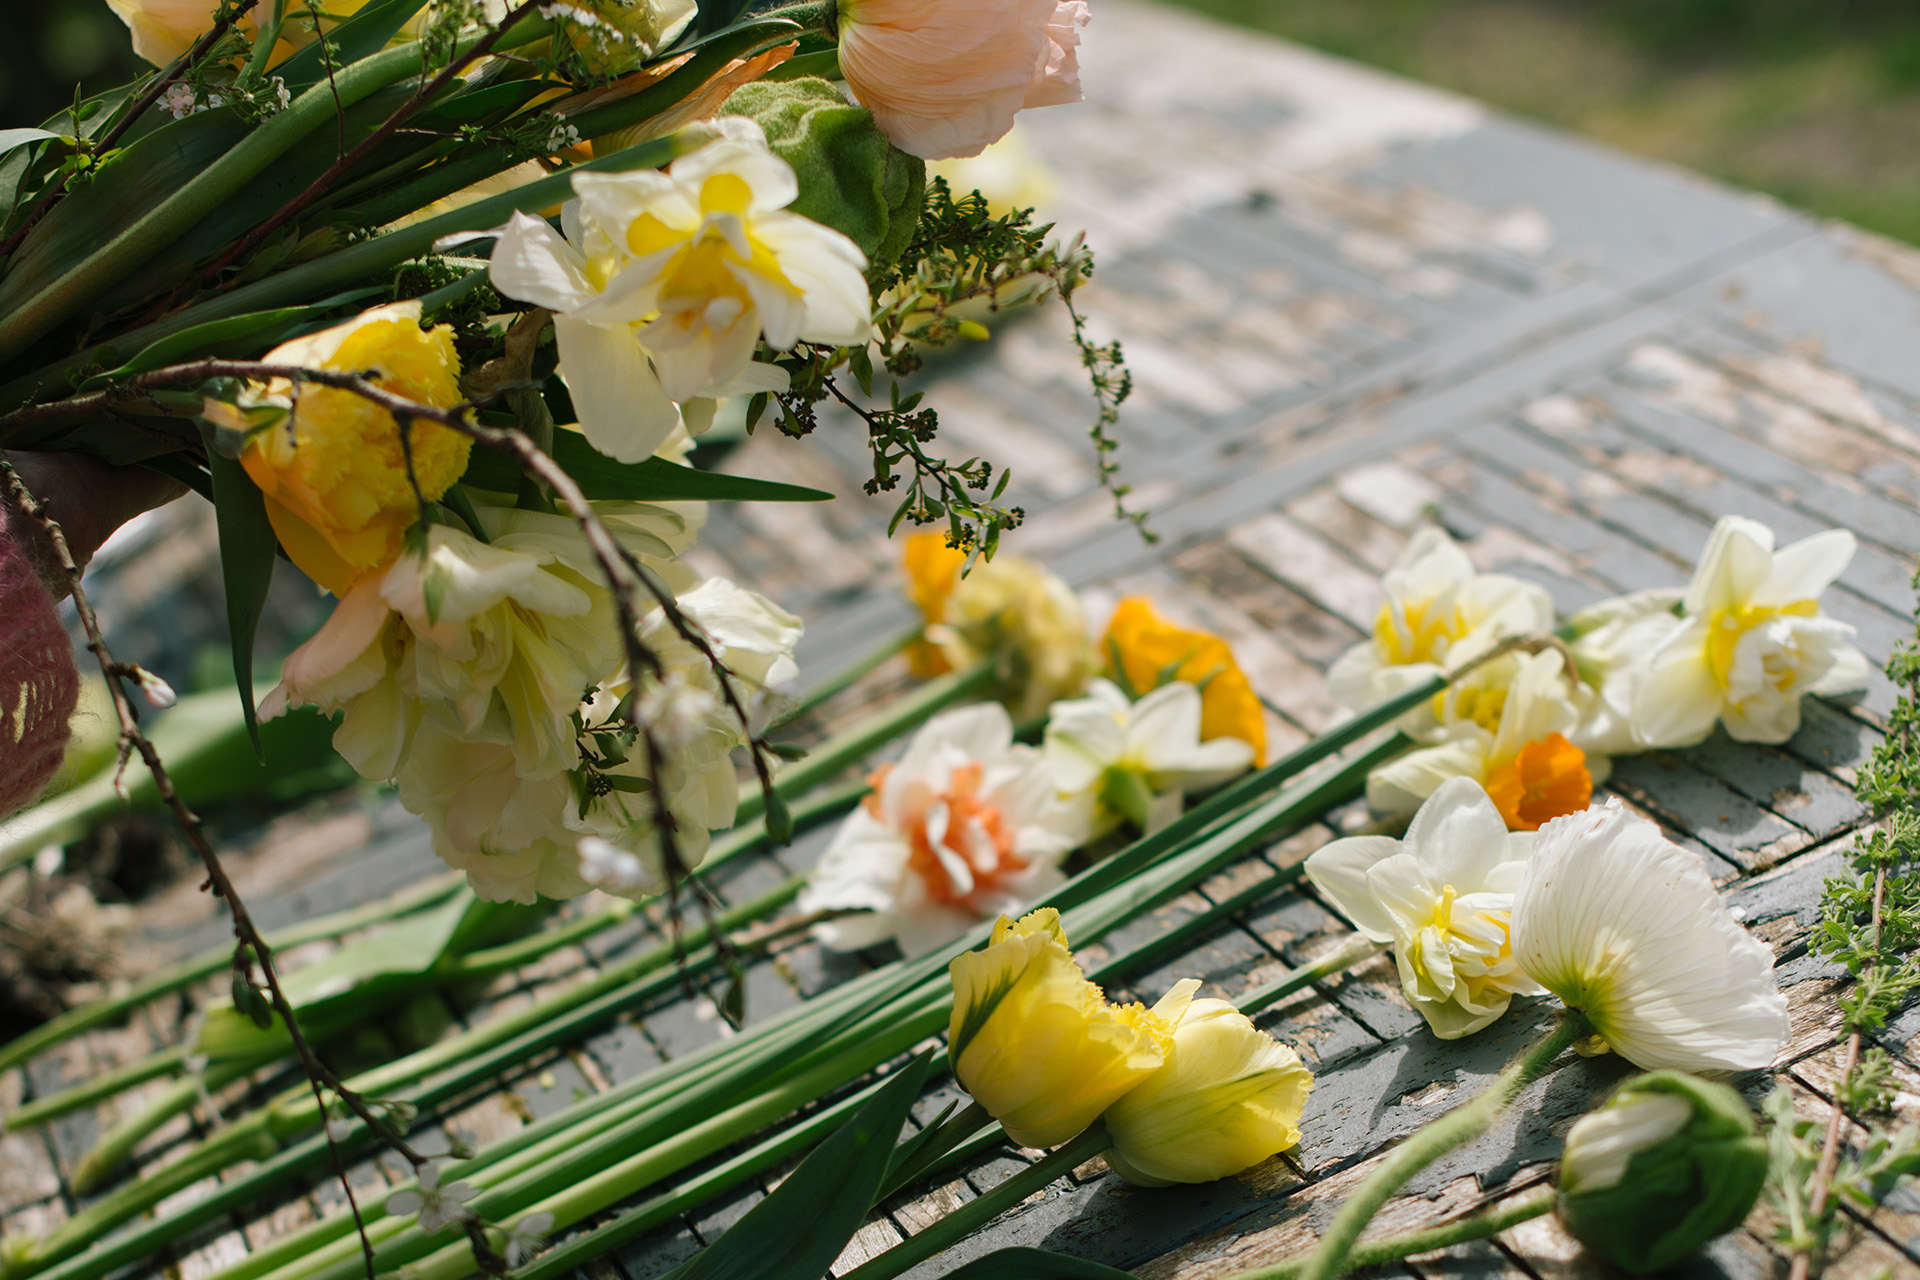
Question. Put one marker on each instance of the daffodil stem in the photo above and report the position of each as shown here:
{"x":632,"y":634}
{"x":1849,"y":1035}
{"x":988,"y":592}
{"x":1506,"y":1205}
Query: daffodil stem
{"x":981,"y":1210}
{"x":1353,"y":951}
{"x":1480,"y":1226}
{"x":1455,"y":1129}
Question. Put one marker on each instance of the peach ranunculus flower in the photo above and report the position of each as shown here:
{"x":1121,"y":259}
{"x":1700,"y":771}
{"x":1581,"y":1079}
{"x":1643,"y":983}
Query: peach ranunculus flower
{"x":944,"y":78}
{"x":1142,"y":651}
{"x":331,"y":463}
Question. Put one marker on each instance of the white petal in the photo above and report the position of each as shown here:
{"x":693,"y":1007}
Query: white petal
{"x":1460,"y":834}
{"x":623,"y":411}
{"x":532,"y":263}
{"x":1339,"y":870}
{"x":1808,"y":567}
{"x":1677,"y":700}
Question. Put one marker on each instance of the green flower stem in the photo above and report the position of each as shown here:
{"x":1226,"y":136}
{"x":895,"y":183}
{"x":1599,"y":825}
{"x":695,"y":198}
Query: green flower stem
{"x":844,"y":679}
{"x":853,"y":745}
{"x":99,"y":1012}
{"x":163,"y":1062}
{"x":1374,"y":1253}
{"x":1353,"y":951}
{"x":118,"y":1143}
{"x":1456,"y":1128}
{"x":981,"y":1210}
{"x":173,"y":217}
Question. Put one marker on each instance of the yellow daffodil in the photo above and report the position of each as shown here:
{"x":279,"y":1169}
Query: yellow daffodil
{"x":331,"y":463}
{"x":1037,"y":1044}
{"x":1008,"y":610}
{"x":1443,"y":899}
{"x":1752,"y":642}
{"x":1228,"y":1097}
{"x":1143,"y":651}
{"x":933,"y":571}
{"x":1624,"y":925}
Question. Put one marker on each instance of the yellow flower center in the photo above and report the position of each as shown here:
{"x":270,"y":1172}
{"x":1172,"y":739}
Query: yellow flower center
{"x":701,"y":272}
{"x":1406,"y":634}
{"x":1726,"y":628}
{"x":1545,"y":779}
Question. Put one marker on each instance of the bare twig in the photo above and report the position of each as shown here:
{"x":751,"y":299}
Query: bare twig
{"x":161,"y":81}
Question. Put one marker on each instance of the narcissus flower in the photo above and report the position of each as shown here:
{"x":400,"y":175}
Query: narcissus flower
{"x":1505,"y":726}
{"x":1624,"y":925}
{"x":666,"y":284}
{"x":1038,"y":1045}
{"x":933,"y":571}
{"x":1027,"y":622}
{"x":1754,"y":640}
{"x":945,"y":78}
{"x":1443,"y":899}
{"x":1666,"y":1164}
{"x":1610,"y":646}
{"x":1137,"y":760}
{"x":1228,"y":1097}
{"x":1440,"y":613}
{"x":331,"y":463}
{"x":615,"y":36}
{"x":966,"y":826}
{"x":1143,"y":651}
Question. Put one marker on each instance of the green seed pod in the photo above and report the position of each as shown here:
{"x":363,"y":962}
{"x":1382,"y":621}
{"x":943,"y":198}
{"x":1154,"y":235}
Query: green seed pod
{"x":1666,"y":1164}
{"x":851,"y":178}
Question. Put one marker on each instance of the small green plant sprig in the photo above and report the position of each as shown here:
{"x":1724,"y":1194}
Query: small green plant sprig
{"x":963,"y":262}
{"x":1870,"y":922}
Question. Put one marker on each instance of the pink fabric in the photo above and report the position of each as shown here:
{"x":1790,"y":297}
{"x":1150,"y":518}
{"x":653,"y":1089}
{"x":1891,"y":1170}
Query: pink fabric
{"x":38,"y":682}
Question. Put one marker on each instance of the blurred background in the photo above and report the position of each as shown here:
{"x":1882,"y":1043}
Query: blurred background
{"x":1814,"y":101}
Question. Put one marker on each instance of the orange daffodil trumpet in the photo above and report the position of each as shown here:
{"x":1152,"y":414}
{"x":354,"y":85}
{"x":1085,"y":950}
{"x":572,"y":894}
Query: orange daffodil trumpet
{"x":330,"y":463}
{"x":667,"y":282}
{"x":945,"y":78}
{"x":1190,"y":1090}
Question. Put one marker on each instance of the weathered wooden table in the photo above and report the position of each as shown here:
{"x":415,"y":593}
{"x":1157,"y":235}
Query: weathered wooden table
{"x":1351,"y":304}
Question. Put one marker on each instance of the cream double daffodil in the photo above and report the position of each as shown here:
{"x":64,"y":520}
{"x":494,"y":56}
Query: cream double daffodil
{"x":1137,"y":760}
{"x":667,"y":282}
{"x":1752,"y":640}
{"x":1443,"y":900}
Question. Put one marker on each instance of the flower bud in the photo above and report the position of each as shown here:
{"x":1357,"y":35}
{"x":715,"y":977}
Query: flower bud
{"x":1666,"y":1164}
{"x":1038,"y":1045}
{"x":1228,"y":1097}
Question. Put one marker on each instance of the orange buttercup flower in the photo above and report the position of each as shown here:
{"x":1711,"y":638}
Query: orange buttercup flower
{"x":1547,"y":779}
{"x":1143,"y":651}
{"x":933,"y":571}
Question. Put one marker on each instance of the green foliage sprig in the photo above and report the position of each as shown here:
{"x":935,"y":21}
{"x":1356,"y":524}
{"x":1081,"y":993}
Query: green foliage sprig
{"x":1870,"y":922}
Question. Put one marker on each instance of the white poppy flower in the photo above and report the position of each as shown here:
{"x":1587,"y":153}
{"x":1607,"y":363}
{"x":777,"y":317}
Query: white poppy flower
{"x":1624,"y":925}
{"x":1505,"y":726}
{"x":1754,"y":640}
{"x":439,"y":1207}
{"x":967,"y":826}
{"x":666,"y":283}
{"x":1442,"y":899}
{"x":1137,"y":760}
{"x":1440,"y":612}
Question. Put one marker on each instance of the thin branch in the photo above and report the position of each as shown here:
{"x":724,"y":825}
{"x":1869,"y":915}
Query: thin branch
{"x":329,"y":179}
{"x":135,"y":109}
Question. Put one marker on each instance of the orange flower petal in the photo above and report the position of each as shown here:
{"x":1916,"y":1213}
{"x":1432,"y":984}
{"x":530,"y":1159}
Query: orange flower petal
{"x":1146,"y":648}
{"x":1546,"y":780}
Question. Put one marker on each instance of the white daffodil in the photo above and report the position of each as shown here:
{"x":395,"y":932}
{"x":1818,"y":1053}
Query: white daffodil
{"x":519,"y":835}
{"x":1440,"y":613}
{"x":1137,"y":760}
{"x":1624,"y":925}
{"x":968,"y":825}
{"x":439,"y":1207}
{"x":1505,"y":726}
{"x":1442,"y":899}
{"x":1611,"y":643}
{"x":666,"y":283}
{"x":1754,"y":640}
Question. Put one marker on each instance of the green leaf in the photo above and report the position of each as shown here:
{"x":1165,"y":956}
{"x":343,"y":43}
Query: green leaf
{"x":1035,"y":1264}
{"x":655,"y":480}
{"x":797,"y":1232}
{"x":11,"y":138}
{"x":365,"y":34}
{"x":247,"y":547}
{"x":265,"y":327}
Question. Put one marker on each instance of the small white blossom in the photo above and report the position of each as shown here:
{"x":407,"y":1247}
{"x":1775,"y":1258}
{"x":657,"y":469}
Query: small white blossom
{"x":159,"y":693}
{"x":612,"y":869}
{"x":678,"y":710}
{"x":562,"y":137}
{"x":178,"y":100}
{"x":528,"y":1237}
{"x":439,"y":1207}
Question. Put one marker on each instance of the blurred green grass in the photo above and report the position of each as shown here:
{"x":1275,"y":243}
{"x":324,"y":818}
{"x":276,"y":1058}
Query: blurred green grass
{"x":1816,"y":102}
{"x":52,"y":46}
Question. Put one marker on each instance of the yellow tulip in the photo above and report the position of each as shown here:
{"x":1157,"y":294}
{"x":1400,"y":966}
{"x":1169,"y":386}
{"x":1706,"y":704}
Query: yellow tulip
{"x":332,"y":466}
{"x":1037,"y":1044}
{"x":1228,"y":1098}
{"x":1143,"y":651}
